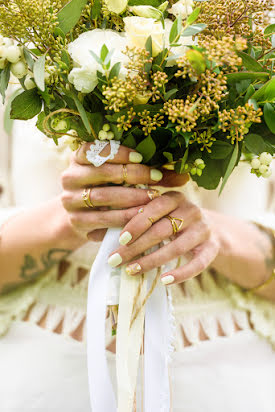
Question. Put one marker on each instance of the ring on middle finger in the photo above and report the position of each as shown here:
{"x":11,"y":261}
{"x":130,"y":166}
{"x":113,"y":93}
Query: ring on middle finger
{"x":124,"y":173}
{"x":174,"y":222}
{"x":151,"y":220}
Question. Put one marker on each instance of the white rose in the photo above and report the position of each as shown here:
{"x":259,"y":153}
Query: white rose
{"x":138,"y":29}
{"x":83,"y":76}
{"x":83,"y":79}
{"x":182,"y":7}
{"x":176,"y":51}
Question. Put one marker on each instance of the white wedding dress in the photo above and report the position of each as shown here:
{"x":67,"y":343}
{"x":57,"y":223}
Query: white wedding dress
{"x":230,"y":368}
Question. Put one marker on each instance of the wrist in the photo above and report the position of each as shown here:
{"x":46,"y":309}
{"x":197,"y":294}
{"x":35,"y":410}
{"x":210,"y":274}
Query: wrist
{"x":63,"y":232}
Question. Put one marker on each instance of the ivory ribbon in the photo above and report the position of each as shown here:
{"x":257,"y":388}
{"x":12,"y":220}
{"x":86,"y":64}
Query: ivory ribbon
{"x":129,"y":339}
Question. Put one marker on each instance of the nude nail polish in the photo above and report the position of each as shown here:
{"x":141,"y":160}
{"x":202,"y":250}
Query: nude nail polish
{"x":115,"y":260}
{"x":133,"y":269}
{"x":167,"y":280}
{"x":125,"y":238}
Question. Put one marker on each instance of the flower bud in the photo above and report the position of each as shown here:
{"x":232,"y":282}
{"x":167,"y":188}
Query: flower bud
{"x":13,"y":54}
{"x":265,"y":158}
{"x":163,"y":6}
{"x":19,"y":69}
{"x":193,"y":171}
{"x":29,"y":83}
{"x":200,"y":164}
{"x":255,"y":163}
{"x":146,"y":11}
{"x":199,"y":172}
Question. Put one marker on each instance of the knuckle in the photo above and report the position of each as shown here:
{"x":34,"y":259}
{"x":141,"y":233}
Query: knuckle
{"x":66,"y":199}
{"x":127,"y":215}
{"x":75,"y":220}
{"x":98,"y":196}
{"x":178,"y":248}
{"x":66,"y":178}
{"x":157,"y":233}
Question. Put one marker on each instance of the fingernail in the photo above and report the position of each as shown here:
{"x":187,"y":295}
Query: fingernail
{"x":135,"y":157}
{"x":153,"y":194}
{"x":115,"y":260}
{"x":133,"y":269}
{"x":167,"y":280}
{"x":125,"y":238}
{"x":156,"y":175}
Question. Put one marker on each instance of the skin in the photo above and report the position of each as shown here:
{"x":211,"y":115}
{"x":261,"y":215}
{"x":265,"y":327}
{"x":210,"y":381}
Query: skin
{"x":235,"y":248}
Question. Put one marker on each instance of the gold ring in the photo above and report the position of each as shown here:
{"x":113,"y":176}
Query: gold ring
{"x":125,"y":173}
{"x":175,"y":226}
{"x":151,"y":220}
{"x":87,"y":199}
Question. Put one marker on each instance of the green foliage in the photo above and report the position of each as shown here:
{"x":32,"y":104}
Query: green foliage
{"x":269,"y":116}
{"x":39,"y":72}
{"x":147,"y":148}
{"x":254,"y":143}
{"x":4,"y":81}
{"x":69,"y":15}
{"x":232,"y":163}
{"x":27,"y":105}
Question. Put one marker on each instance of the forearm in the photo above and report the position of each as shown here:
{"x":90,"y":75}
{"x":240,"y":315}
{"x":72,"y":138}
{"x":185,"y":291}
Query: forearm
{"x":246,"y":253}
{"x":33,"y":241}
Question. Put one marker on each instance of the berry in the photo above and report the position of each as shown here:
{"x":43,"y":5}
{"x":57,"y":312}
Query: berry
{"x":110,"y":135}
{"x":19,"y":69}
{"x":263,"y":169}
{"x":265,"y":158}
{"x":255,"y":163}
{"x":13,"y":54}
{"x":106,"y":127}
{"x":29,"y":83}
{"x":102,"y":135}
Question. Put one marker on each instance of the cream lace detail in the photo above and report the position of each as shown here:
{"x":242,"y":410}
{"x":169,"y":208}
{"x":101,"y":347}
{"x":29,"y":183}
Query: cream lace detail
{"x":93,"y":155}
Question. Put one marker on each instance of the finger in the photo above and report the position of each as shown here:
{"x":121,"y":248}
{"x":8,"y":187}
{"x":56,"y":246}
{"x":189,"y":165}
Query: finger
{"x":114,"y":197}
{"x":189,"y":239}
{"x":124,"y":155}
{"x":82,"y":176}
{"x":160,"y":231}
{"x":157,"y":209}
{"x":89,"y":220}
{"x":205,"y":255}
{"x":97,"y":235}
{"x":173,"y":179}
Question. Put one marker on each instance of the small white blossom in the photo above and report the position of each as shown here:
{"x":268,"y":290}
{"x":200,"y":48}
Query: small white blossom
{"x":83,"y":79}
{"x":182,"y":8}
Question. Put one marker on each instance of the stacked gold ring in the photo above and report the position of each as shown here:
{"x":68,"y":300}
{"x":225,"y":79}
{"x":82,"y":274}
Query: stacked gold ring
{"x":124,"y":173}
{"x":87,"y":199}
{"x":175,"y":226}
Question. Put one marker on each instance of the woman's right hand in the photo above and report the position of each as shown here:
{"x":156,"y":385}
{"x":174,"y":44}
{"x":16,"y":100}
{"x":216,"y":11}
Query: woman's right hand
{"x":114,"y":206}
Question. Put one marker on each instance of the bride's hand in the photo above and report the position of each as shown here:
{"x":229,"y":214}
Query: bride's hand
{"x":91,"y":223}
{"x":150,"y":227}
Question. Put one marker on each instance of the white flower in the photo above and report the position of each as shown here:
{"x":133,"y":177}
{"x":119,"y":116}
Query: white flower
{"x":138,"y":29}
{"x":182,"y":8}
{"x":83,"y":76}
{"x":176,"y":51}
{"x":83,"y":79}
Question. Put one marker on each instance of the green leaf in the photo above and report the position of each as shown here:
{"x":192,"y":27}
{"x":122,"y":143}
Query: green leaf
{"x":4,"y":81}
{"x":254,"y":143}
{"x":115,"y":70}
{"x":95,"y":56}
{"x":266,"y":93}
{"x":118,"y":133}
{"x":236,"y":77}
{"x":149,"y":45}
{"x":27,"y":105}
{"x":39,"y":72}
{"x":249,"y":92}
{"x":168,"y":156}
{"x":175,"y":30}
{"x":270,"y":29}
{"x":8,"y":122}
{"x":193,"y":16}
{"x":104,"y":52}
{"x":220,"y":150}
{"x":147,"y":148}
{"x":40,"y":120}
{"x":183,"y":160}
{"x":59,"y":33}
{"x":65,"y":57}
{"x":230,"y":166}
{"x":28,"y":58}
{"x":211,"y":175}
{"x":96,"y":9}
{"x":250,"y":63}
{"x":82,"y":113}
{"x":96,"y":120}
{"x":193,"y":29}
{"x":269,"y":116}
{"x":130,"y":141}
{"x":69,"y":15}
{"x":154,"y":3}
{"x":170,"y":94}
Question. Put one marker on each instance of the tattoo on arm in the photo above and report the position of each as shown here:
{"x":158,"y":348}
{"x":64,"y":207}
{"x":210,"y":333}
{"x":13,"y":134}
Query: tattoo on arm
{"x":32,"y":267}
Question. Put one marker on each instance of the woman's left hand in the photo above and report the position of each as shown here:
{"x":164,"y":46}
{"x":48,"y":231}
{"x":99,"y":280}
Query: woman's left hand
{"x":150,"y":227}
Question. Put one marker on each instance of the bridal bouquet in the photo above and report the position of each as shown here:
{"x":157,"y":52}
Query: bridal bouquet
{"x":188,"y":84}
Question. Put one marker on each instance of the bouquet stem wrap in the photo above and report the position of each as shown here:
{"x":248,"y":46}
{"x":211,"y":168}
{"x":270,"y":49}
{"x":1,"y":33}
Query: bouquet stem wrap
{"x":157,"y":338}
